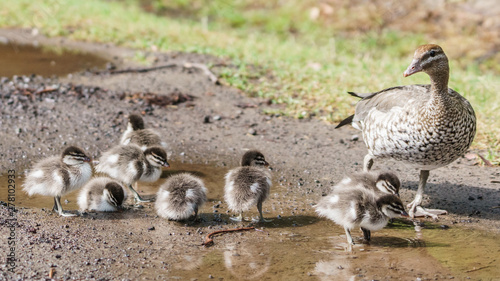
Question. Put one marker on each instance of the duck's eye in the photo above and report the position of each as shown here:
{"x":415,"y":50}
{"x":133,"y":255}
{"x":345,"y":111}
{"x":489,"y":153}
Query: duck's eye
{"x":432,"y":53}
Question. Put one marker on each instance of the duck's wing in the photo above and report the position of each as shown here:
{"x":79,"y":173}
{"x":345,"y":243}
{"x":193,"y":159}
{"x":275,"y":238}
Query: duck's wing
{"x":385,"y":100}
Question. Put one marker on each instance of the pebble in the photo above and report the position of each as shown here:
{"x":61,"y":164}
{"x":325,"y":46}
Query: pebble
{"x":252,"y":131}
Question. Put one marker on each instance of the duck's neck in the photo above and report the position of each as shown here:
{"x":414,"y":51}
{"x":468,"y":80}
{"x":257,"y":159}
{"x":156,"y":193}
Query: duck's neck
{"x":439,"y":81}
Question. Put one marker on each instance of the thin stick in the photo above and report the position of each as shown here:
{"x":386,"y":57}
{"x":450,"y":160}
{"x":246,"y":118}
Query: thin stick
{"x":213,"y":78}
{"x":209,"y":241}
{"x":476,"y":269}
{"x":52,"y":272}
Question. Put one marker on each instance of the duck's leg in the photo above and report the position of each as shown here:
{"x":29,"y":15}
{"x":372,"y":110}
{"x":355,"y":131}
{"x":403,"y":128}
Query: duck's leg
{"x":367,"y":163}
{"x":137,"y":197}
{"x":366,"y":234}
{"x":415,"y":210}
{"x":259,"y":207}
{"x":57,"y":200}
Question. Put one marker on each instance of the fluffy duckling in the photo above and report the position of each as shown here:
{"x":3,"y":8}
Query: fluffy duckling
{"x":360,"y":207}
{"x":137,"y":134}
{"x":58,"y":175}
{"x":129,"y":164}
{"x":383,"y":182}
{"x":248,"y":185}
{"x":180,"y":196}
{"x":101,"y":194}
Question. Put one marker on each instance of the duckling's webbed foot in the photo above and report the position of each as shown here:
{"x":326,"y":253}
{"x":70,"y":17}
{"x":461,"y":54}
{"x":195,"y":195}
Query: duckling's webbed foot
{"x":137,"y":197}
{"x":58,"y":208}
{"x":238,"y":218}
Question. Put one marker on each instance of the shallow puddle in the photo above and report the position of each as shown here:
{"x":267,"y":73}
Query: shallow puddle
{"x":303,"y":246}
{"x":46,"y":61}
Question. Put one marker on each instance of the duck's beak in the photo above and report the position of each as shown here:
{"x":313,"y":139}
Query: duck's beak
{"x":404,"y":214}
{"x":166,"y":165}
{"x":86,"y":159}
{"x":413,"y":68}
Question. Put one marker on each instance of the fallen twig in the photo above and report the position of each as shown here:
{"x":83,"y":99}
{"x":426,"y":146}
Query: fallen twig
{"x":209,"y":241}
{"x":476,"y":269}
{"x":52,"y":272}
{"x":213,"y":78}
{"x":486,"y":161}
{"x":46,"y":90}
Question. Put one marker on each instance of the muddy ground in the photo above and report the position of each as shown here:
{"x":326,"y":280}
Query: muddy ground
{"x":213,"y":127}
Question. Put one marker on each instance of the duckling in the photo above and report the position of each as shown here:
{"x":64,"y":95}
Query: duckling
{"x":360,"y":207}
{"x":129,"y":164}
{"x":180,"y":196}
{"x":248,"y":185}
{"x":56,"y":176}
{"x":384,"y":182}
{"x":137,"y":134}
{"x":101,"y":194}
{"x":424,"y":126}
{"x":381,"y":183}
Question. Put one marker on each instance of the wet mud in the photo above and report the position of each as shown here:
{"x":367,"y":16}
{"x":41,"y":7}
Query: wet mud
{"x":207,"y":136}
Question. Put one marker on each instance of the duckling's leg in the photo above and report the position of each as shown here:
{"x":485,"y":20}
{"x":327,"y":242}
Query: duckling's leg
{"x":238,"y":218}
{"x":58,"y":205}
{"x":415,"y":210}
{"x":195,"y":212}
{"x":137,"y":197}
{"x":349,"y":239}
{"x":367,"y":163}
{"x":366,"y":234}
{"x":259,"y":207}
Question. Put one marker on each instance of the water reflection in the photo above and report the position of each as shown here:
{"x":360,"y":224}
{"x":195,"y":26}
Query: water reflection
{"x":247,"y":261}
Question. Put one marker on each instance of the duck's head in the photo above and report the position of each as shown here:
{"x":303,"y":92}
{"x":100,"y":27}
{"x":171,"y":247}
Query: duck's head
{"x":135,"y":122}
{"x":429,"y":58}
{"x":114,"y":194}
{"x":391,"y":206}
{"x":73,"y":155}
{"x":388,"y":182}
{"x":156,"y":156}
{"x":254,"y":158}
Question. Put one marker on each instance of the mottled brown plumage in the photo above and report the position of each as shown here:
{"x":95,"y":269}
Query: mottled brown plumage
{"x":424,"y":126}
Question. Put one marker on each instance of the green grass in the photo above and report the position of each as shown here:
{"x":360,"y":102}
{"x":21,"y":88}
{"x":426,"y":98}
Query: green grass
{"x":306,"y":65}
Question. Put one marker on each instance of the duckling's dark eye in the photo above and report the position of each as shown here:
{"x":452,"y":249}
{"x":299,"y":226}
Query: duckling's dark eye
{"x":432,"y":53}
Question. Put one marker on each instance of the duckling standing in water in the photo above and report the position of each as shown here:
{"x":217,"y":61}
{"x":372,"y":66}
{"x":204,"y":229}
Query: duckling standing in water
{"x":56,"y":176}
{"x":101,"y":194}
{"x":180,"y":196}
{"x":381,"y":183}
{"x":137,"y":134}
{"x":248,"y":185}
{"x":129,"y":164}
{"x":354,"y":206}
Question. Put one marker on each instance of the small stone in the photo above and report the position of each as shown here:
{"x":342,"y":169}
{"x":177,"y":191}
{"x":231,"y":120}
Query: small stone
{"x":206,"y":119}
{"x":151,"y":228}
{"x":217,"y":118}
{"x":443,"y":226}
{"x":252,"y":131}
{"x":471,"y":198}
{"x":58,"y":256}
{"x":354,"y":137}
